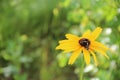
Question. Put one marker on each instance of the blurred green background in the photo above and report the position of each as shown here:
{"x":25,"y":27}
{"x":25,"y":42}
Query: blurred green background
{"x":30,"y":31}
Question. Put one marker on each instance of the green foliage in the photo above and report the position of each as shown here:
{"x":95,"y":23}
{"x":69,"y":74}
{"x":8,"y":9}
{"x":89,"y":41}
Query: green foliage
{"x":30,"y":31}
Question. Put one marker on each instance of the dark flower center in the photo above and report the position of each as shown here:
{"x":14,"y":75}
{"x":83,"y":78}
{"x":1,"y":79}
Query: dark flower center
{"x":84,"y":42}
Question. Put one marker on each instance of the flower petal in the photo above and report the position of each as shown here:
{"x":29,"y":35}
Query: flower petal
{"x":86,"y":34}
{"x":100,"y":51}
{"x":74,"y":56}
{"x":68,"y":45}
{"x":95,"y":59}
{"x":69,"y":50}
{"x":97,"y":44}
{"x":96,"y":33}
{"x":86,"y":56}
{"x":72,"y":37}
{"x":69,"y":42}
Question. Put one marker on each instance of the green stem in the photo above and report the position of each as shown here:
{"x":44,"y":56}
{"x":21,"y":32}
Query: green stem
{"x":82,"y":70}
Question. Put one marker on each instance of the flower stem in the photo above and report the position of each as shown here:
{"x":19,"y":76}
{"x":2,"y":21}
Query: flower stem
{"x":82,"y":70}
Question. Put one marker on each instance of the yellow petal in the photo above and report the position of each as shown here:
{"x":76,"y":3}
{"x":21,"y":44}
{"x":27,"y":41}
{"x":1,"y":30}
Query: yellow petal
{"x":96,"y":33}
{"x":72,"y":37}
{"x":86,"y":56}
{"x":74,"y":56}
{"x":69,"y":50}
{"x":97,"y":44}
{"x":95,"y":59}
{"x":68,"y":45}
{"x":63,"y":41}
{"x":86,"y":34}
{"x":69,"y":42}
{"x":100,"y":51}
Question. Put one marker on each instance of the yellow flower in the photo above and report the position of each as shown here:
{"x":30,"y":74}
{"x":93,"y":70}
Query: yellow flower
{"x":85,"y":44}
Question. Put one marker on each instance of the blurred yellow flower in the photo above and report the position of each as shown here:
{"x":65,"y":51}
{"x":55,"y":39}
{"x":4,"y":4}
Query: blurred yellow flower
{"x":85,"y":44}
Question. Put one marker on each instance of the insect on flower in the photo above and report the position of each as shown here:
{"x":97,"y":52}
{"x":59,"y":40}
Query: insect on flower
{"x":85,"y":44}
